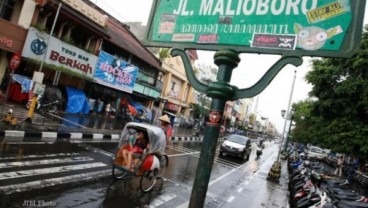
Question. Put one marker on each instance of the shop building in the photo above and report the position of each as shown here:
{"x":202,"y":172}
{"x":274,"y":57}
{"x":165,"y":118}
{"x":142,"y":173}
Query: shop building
{"x":177,"y":94}
{"x":12,"y":37}
{"x":83,"y":37}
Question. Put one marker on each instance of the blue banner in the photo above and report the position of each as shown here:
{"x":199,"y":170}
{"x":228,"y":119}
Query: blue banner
{"x":115,"y":73}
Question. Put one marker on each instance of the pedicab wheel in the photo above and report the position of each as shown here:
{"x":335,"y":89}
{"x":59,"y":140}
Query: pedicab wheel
{"x":51,"y":108}
{"x":164,"y":163}
{"x":117,"y":173}
{"x":148,"y":180}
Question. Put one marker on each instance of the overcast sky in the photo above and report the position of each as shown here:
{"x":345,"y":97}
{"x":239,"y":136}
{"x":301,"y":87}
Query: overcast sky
{"x":271,"y":101}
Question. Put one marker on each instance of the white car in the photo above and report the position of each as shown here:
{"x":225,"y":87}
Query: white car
{"x":316,"y":153}
{"x":236,"y":145}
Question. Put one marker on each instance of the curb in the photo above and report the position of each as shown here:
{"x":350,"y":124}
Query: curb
{"x":186,"y":138}
{"x":14,"y":135}
{"x":54,"y":135}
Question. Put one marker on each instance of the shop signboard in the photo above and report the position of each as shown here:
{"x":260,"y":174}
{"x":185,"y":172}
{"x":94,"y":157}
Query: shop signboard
{"x":301,"y":28}
{"x":115,"y":73}
{"x":68,"y":58}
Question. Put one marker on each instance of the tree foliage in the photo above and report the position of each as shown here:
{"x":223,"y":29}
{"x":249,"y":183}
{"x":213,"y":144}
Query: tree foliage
{"x":338,"y":118}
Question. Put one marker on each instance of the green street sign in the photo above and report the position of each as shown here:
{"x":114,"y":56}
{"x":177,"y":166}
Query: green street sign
{"x":326,"y":28}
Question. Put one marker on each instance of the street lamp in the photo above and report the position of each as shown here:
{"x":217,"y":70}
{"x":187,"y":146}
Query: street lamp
{"x":275,"y":170}
{"x":291,"y":114}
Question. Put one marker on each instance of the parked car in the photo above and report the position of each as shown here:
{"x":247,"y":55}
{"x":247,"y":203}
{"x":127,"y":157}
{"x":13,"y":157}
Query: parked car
{"x":236,"y":145}
{"x":315,"y":152}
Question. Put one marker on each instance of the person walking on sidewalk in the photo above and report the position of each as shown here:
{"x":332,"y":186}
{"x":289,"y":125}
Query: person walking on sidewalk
{"x":165,"y":125}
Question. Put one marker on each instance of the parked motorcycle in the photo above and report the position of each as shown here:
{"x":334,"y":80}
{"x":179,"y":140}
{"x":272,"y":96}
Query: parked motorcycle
{"x":51,"y":107}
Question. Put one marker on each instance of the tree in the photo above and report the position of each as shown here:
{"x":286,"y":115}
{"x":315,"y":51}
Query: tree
{"x":201,"y":109}
{"x":339,"y":117}
{"x":164,"y":53}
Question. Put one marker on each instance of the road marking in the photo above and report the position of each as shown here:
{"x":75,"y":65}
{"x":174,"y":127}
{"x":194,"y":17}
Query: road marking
{"x":161,"y":200}
{"x":223,"y":176}
{"x":43,"y":171}
{"x":44,"y":162}
{"x":240,"y":190}
{"x":231,"y":199}
{"x":52,"y":182}
{"x":177,"y":155}
{"x":40,"y":156}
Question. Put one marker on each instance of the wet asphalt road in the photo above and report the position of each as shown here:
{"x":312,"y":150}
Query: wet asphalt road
{"x":75,"y":174}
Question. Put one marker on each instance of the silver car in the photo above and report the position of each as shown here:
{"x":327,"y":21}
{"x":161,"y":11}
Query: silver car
{"x":236,"y":145}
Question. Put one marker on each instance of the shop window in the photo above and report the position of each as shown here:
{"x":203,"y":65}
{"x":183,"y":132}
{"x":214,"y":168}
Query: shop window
{"x":173,"y":86}
{"x":6,"y":9}
{"x":145,"y":78}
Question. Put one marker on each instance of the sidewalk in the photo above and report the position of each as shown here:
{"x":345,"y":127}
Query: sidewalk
{"x":73,"y":126}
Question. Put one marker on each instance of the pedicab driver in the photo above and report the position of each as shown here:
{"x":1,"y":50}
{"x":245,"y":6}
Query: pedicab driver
{"x":165,"y":125}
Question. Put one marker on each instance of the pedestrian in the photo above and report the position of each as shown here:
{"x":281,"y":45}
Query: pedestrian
{"x":340,"y":165}
{"x":107,"y":109}
{"x":166,"y":126}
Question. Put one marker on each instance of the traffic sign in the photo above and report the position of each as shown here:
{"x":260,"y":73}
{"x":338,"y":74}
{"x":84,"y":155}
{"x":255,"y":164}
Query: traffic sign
{"x":327,"y":28}
{"x":14,"y":61}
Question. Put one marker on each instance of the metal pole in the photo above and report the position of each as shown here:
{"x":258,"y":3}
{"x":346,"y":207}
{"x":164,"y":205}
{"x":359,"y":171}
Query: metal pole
{"x":48,"y":39}
{"x":33,"y":103}
{"x":220,"y":91}
{"x":287,"y":114}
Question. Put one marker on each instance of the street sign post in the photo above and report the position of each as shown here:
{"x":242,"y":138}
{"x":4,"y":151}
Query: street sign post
{"x":290,"y":28}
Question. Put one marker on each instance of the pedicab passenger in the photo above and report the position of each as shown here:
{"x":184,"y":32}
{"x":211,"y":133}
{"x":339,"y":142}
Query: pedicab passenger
{"x":136,"y":147}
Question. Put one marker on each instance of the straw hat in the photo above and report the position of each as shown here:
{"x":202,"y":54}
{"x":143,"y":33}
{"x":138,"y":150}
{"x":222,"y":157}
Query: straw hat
{"x":164,"y":118}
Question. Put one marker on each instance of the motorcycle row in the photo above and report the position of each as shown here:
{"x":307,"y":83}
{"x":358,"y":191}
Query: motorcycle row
{"x":312,"y":186}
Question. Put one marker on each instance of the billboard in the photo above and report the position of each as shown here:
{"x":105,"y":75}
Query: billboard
{"x":301,"y":28}
{"x":69,"y":58}
{"x":115,"y":73}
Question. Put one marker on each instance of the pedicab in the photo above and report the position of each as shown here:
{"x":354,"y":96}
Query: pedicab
{"x":151,"y":164}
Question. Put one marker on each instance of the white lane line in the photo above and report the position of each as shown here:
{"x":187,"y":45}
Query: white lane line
{"x":52,"y":182}
{"x":161,"y":200}
{"x":42,"y":171}
{"x":184,"y":205}
{"x":40,"y":156}
{"x":44,"y":162}
{"x":240,"y":190}
{"x":223,"y":176}
{"x":177,"y":155}
{"x":246,"y":183}
{"x":231,"y":199}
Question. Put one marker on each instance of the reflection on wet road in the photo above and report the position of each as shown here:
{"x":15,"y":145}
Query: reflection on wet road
{"x":42,"y":166}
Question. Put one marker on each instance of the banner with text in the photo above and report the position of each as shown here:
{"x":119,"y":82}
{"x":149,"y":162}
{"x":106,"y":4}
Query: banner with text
{"x":115,"y":73}
{"x":279,"y":25}
{"x":72,"y":59}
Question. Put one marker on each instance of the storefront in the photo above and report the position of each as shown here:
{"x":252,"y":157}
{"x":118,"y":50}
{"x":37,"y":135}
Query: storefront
{"x":12,"y":38}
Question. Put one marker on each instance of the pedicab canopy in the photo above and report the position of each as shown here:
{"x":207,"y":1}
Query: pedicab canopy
{"x":156,"y":136}
{"x":327,"y":28}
